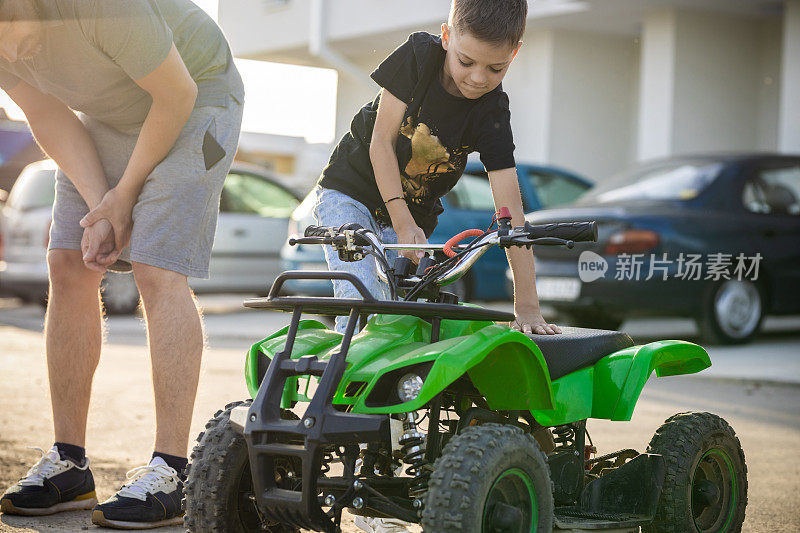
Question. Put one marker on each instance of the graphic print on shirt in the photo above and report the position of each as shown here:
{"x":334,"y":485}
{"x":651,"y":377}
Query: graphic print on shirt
{"x":429,"y":163}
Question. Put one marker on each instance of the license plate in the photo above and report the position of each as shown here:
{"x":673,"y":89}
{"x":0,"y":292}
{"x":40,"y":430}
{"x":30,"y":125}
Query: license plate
{"x":559,"y":289}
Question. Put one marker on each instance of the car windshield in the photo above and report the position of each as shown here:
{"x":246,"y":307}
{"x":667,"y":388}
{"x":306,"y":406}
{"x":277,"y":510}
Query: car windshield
{"x":33,"y":189}
{"x":677,"y":180}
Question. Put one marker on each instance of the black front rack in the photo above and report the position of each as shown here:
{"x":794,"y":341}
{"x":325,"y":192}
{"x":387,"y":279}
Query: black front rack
{"x":269,"y":437}
{"x":367,"y":305}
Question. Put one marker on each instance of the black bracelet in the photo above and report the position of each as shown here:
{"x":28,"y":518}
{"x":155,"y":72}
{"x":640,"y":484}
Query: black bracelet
{"x":393,"y":199}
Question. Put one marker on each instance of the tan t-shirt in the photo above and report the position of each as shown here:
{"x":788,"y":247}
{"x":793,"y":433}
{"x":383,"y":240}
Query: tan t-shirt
{"x":94,"y":49}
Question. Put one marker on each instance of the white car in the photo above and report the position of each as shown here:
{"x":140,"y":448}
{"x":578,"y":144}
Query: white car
{"x":252,"y":226}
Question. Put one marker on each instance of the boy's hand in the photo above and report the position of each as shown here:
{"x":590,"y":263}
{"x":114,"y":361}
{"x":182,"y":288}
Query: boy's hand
{"x":530,"y":320}
{"x":412,"y":234}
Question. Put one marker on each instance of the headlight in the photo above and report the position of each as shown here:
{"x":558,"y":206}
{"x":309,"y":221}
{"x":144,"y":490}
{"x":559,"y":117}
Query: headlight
{"x":408,"y":387}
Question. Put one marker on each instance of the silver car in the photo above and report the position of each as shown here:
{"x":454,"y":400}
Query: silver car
{"x":252,"y":225}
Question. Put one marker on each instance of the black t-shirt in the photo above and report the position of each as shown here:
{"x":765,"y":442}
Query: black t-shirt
{"x":437,"y":134}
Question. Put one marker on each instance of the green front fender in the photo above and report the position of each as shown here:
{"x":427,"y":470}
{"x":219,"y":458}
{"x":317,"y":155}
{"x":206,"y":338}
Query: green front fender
{"x":610,"y":389}
{"x":506,"y":367}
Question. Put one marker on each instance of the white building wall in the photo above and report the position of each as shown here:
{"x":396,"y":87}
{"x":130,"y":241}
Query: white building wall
{"x":592,"y":102}
{"x":789,"y":136}
{"x":656,"y":85}
{"x":769,"y":85}
{"x":529,"y":85}
{"x":717,"y":77}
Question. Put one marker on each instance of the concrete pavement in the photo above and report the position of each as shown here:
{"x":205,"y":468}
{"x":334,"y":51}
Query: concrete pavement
{"x":773,"y":357}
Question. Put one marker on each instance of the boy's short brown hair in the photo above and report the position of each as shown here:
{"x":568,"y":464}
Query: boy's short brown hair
{"x":493,"y":21}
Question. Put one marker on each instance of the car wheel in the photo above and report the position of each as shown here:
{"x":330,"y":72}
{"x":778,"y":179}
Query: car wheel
{"x":732,"y":312}
{"x":595,"y":320}
{"x":120,"y":295}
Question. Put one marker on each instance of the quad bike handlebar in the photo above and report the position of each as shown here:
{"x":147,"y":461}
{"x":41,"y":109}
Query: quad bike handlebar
{"x":354,"y":243}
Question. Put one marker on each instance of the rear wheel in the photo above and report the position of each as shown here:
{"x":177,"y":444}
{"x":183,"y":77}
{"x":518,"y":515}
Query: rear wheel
{"x":732,"y":312}
{"x":219,"y":485}
{"x":705,"y":486}
{"x":490,"y":478}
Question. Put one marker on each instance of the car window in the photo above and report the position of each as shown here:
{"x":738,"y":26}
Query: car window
{"x":774,"y":191}
{"x":674,"y":180}
{"x":34,"y":188}
{"x":554,"y":189}
{"x":248,"y":194}
{"x":471,"y":192}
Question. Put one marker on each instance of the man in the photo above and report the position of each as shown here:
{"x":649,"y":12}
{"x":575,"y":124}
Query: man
{"x":142,"y":164}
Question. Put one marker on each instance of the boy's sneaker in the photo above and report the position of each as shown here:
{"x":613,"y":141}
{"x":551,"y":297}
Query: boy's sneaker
{"x":52,"y":485}
{"x":151,"y":498}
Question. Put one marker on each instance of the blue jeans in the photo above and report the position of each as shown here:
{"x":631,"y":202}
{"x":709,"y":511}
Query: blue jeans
{"x":334,"y":208}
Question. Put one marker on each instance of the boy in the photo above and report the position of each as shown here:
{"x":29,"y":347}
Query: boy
{"x":441,"y":99}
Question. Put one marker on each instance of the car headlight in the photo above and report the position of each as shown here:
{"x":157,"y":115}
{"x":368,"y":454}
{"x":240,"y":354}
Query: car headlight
{"x":408,"y":387}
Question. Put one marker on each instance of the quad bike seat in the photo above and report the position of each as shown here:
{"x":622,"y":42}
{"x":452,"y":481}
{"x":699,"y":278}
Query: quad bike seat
{"x":577,"y":348}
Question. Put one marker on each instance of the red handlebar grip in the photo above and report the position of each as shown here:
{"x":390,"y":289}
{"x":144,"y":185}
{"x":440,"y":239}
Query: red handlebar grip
{"x":448,"y":246}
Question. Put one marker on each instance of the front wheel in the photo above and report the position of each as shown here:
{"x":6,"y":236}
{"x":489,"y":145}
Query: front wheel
{"x":705,"y":486}
{"x":219,"y":485}
{"x":490,"y":478}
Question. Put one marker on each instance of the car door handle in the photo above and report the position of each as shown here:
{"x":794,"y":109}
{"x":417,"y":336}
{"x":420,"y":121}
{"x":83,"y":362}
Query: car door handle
{"x":240,"y":232}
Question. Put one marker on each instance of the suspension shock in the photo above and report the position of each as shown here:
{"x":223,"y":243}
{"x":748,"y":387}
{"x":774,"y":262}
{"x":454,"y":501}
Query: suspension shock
{"x":564,"y":437}
{"x":412,"y":443}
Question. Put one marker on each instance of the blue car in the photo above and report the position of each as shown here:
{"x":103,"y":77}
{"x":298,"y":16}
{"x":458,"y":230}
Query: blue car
{"x":711,"y":237}
{"x":468,"y":205}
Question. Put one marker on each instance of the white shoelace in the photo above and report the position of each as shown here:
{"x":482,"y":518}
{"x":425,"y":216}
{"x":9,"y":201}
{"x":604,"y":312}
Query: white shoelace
{"x":144,"y":479}
{"x":44,"y":467}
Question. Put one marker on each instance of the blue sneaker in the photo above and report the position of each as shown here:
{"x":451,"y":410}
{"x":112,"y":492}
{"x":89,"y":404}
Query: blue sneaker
{"x":151,"y":498}
{"x":53,"y":485}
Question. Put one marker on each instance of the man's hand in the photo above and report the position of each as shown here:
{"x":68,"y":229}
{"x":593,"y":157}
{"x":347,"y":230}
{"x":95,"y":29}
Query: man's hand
{"x":117,"y":208}
{"x":412,"y":234}
{"x":530,"y":320}
{"x":97,"y":246}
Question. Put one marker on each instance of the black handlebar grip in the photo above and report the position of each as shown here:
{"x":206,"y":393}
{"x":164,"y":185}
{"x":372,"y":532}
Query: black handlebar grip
{"x":318,"y":231}
{"x":570,"y":231}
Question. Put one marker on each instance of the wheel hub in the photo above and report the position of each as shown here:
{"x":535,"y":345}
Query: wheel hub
{"x":714,"y":492}
{"x":504,"y":517}
{"x":705,"y":492}
{"x":738,"y":308}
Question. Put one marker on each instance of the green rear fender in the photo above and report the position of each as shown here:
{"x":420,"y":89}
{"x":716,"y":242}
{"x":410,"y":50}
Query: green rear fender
{"x":610,"y":389}
{"x":506,"y":367}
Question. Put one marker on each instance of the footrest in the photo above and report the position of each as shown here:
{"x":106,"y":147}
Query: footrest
{"x":576,"y":518}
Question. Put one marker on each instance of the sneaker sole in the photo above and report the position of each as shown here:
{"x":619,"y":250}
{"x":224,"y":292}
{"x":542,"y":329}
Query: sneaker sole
{"x":75,"y":505}
{"x":100,"y":520}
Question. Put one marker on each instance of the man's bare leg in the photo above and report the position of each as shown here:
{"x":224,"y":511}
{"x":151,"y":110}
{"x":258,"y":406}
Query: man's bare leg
{"x":73,"y":332}
{"x":175,"y":340}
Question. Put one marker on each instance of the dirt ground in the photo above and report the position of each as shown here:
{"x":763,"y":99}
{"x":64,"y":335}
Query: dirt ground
{"x":121,"y":420}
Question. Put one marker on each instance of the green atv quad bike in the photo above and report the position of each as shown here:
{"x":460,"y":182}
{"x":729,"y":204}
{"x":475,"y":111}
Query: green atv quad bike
{"x":438,"y":413}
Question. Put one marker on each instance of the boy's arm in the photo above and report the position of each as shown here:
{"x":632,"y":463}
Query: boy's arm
{"x":505,"y":191}
{"x":391,"y":111}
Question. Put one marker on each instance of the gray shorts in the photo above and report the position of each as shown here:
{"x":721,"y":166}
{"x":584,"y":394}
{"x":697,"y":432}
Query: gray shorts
{"x":175,"y":217}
